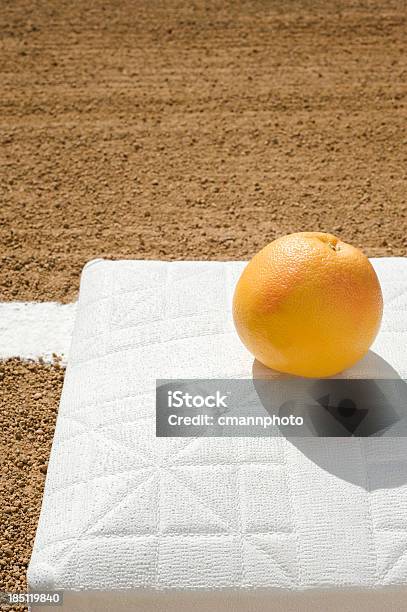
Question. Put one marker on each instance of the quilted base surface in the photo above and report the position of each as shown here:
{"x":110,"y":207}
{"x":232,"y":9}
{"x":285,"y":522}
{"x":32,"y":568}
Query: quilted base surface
{"x":126,"y":512}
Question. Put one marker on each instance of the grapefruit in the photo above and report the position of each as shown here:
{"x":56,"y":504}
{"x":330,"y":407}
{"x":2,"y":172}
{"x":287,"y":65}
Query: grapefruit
{"x":308,"y":304}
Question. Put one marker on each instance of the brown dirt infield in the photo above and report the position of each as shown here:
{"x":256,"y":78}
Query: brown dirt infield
{"x":181,"y":129}
{"x":195,"y":129}
{"x":29,"y":396}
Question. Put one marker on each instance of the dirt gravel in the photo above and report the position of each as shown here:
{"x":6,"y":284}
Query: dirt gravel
{"x":180,"y":129}
{"x":29,"y":397}
{"x":195,"y":129}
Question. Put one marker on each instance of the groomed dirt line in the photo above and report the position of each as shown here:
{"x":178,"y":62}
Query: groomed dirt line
{"x":195,"y":129}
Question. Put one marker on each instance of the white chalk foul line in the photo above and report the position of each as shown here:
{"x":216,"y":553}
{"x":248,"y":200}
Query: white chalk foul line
{"x":31,"y":330}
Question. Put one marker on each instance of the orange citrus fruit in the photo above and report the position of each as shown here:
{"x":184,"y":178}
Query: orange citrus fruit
{"x":308,"y":304}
